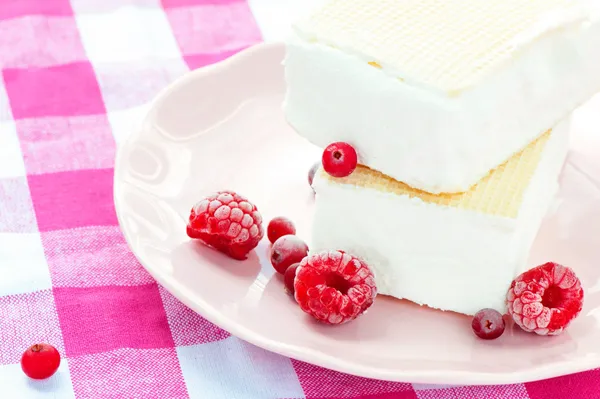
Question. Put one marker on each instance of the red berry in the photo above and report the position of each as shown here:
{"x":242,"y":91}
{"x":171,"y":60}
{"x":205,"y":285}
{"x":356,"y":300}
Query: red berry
{"x":40,"y":361}
{"x":279,"y":227}
{"x":286,"y":251}
{"x":488,"y":324}
{"x":545,"y":299}
{"x":227,"y":222}
{"x":289,"y":276}
{"x":334,"y":287}
{"x":312,"y":172}
{"x":339,"y":159}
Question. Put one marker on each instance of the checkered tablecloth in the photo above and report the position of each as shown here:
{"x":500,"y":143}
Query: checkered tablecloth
{"x":75,"y":76}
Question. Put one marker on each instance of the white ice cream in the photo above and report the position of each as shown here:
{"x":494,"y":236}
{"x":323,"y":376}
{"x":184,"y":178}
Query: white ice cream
{"x":444,"y":257}
{"x":438,"y":134}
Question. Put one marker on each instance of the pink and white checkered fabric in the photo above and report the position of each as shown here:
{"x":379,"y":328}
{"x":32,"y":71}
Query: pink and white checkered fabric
{"x":75,"y":75}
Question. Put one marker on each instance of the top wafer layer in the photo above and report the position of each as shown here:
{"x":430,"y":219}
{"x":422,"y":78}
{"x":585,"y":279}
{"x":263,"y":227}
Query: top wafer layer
{"x":445,"y":44}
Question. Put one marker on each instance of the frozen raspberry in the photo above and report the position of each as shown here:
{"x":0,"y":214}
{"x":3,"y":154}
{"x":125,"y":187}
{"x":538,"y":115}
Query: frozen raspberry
{"x":279,"y":227}
{"x":545,"y":299}
{"x":289,"y":276}
{"x":227,"y":222}
{"x":40,"y":361}
{"x":339,"y":159}
{"x":334,"y":287}
{"x":286,"y":251}
{"x":488,"y":324}
{"x":312,"y":172}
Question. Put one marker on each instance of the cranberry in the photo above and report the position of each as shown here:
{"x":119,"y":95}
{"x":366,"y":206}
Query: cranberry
{"x":278,"y":227}
{"x":339,"y":159}
{"x":286,"y":251}
{"x":289,"y":276}
{"x":40,"y":361}
{"x":488,"y":324}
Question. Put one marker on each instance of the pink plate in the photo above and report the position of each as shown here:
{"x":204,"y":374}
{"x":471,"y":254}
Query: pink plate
{"x":222,"y":127}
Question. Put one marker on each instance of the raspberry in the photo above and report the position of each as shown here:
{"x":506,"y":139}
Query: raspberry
{"x":488,"y":324}
{"x":312,"y":172}
{"x":227,"y":222}
{"x":334,"y":287}
{"x":339,"y":159}
{"x":40,"y":361}
{"x":289,"y":276}
{"x":279,"y":227}
{"x":545,"y":299}
{"x":286,"y":251}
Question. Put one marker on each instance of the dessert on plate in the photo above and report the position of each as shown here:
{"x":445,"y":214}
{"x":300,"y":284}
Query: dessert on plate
{"x":444,"y":126}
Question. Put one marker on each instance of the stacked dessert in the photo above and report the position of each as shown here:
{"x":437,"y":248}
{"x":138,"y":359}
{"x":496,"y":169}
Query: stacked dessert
{"x":445,"y":127}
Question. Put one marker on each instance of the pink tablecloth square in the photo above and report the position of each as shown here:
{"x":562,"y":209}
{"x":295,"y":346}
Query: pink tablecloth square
{"x":92,"y":256}
{"x":36,"y":40}
{"x":128,"y":373}
{"x":213,"y":28}
{"x":18,"y":8}
{"x":132,"y":317}
{"x":67,"y":200}
{"x":187,"y":326}
{"x":578,"y":386}
{"x":60,"y":90}
{"x":322,"y":383}
{"x":61,"y":144}
{"x":488,"y":392}
{"x":26,"y":319}
{"x":76,"y":76}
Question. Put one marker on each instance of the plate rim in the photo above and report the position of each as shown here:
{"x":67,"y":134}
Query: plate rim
{"x":311,"y":356}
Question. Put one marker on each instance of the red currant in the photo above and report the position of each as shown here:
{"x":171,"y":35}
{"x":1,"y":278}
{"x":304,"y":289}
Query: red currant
{"x":289,"y":276}
{"x":278,"y":227}
{"x":339,"y":159}
{"x":286,"y":251}
{"x":488,"y":324}
{"x":40,"y":361}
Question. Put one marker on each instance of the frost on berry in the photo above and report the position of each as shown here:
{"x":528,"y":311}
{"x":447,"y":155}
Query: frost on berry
{"x":286,"y":251}
{"x":236,"y":215}
{"x":225,"y":198}
{"x":334,"y":287}
{"x":279,"y":227}
{"x":545,"y":299}
{"x":227,"y":222}
{"x":223,"y":212}
{"x":488,"y":324}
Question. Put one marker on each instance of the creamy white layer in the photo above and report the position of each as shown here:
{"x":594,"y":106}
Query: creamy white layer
{"x":432,"y":140}
{"x":439,"y":256}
